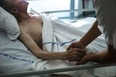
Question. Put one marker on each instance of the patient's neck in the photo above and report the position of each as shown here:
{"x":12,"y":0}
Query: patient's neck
{"x":21,"y":17}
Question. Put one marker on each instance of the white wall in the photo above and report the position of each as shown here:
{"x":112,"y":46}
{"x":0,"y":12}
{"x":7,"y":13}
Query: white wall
{"x":50,"y":5}
{"x":54,"y":5}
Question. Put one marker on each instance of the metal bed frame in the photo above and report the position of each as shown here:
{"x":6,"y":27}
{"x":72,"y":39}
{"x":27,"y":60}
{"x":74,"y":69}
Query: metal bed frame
{"x":51,"y":71}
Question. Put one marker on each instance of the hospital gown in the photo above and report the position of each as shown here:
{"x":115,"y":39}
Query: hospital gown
{"x":106,"y":13}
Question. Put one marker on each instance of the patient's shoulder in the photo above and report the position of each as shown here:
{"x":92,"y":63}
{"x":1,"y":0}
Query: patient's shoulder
{"x":36,"y":16}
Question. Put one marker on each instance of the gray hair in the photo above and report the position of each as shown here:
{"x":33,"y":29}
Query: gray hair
{"x":7,"y":5}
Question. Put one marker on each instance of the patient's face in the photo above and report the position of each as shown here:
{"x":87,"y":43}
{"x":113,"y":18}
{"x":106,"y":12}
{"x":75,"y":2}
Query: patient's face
{"x":20,"y":4}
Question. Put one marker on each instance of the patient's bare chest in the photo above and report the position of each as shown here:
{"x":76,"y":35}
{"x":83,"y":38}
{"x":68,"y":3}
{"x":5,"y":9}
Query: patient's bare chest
{"x":34,"y":28}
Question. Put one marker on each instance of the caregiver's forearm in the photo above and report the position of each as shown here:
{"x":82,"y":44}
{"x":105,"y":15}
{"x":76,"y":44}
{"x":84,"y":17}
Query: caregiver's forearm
{"x":92,"y":34}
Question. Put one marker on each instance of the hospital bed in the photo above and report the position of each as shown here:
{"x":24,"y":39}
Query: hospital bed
{"x":58,"y":70}
{"x":64,"y":69}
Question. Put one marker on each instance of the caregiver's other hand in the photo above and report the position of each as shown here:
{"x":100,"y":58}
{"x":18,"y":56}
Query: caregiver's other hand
{"x":86,"y":58}
{"x":74,"y":54}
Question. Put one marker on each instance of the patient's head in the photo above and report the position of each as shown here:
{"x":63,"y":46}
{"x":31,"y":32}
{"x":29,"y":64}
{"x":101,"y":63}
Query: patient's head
{"x":1,"y":2}
{"x":15,"y":6}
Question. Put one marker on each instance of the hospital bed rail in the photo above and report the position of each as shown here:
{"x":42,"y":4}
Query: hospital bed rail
{"x":75,"y":10}
{"x":51,"y":71}
{"x":91,"y":14}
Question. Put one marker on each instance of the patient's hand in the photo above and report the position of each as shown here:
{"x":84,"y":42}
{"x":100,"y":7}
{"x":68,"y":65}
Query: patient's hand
{"x":74,"y":54}
{"x":81,"y":51}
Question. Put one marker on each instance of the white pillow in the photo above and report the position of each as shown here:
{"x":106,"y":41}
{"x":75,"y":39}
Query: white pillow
{"x":9,"y":24}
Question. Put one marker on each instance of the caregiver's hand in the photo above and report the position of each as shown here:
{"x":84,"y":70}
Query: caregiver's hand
{"x":81,"y":49}
{"x":74,"y":54}
{"x":86,"y":58}
{"x":76,"y":45}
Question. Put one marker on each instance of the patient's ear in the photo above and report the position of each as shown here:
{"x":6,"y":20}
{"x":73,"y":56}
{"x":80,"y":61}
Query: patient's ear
{"x":14,"y":10}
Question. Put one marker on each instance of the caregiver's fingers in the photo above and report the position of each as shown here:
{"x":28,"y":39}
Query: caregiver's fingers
{"x":75,"y":54}
{"x":85,"y":59}
{"x":77,"y":58}
{"x":76,"y":45}
{"x":77,"y":51}
{"x":70,"y":46}
{"x":82,"y":61}
{"x":74,"y":60}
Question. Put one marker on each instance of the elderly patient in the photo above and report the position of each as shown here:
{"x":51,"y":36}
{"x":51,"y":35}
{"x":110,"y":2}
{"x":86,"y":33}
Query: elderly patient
{"x":31,"y":32}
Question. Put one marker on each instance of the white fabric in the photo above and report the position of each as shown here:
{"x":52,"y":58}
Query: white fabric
{"x":57,"y":35}
{"x":9,"y":24}
{"x":107,"y":19}
{"x":56,"y":38}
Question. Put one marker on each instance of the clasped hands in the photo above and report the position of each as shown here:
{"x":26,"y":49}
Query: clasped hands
{"x":81,"y":56}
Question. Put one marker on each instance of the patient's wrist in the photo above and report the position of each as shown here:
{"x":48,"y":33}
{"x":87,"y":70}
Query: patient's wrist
{"x":63,"y":55}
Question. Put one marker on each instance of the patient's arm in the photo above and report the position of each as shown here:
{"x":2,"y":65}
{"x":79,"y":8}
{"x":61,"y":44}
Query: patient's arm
{"x":92,"y":34}
{"x":38,"y":52}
